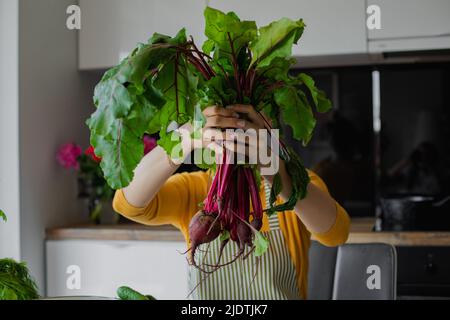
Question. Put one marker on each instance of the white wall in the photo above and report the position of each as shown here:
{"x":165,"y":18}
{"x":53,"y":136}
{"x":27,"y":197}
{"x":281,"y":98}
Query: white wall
{"x":9,"y":128}
{"x":54,"y":102}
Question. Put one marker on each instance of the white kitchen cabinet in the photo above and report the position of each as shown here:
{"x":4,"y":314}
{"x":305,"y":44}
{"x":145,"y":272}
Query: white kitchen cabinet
{"x":153,"y":267}
{"x":332,"y":26}
{"x":411,"y":25}
{"x":110,"y":29}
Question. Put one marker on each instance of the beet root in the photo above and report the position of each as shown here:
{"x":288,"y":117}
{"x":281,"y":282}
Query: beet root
{"x":203,"y":228}
{"x":257,"y":224}
{"x":226,"y":212}
{"x":244,"y":234}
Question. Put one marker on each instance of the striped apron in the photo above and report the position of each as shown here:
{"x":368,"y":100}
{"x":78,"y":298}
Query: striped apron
{"x":271,"y":276}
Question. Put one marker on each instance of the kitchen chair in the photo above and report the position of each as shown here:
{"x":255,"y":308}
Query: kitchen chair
{"x":322,"y":263}
{"x":358,"y":272}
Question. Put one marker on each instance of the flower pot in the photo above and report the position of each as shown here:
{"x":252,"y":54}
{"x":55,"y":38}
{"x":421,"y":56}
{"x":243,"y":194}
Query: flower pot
{"x":100,"y":211}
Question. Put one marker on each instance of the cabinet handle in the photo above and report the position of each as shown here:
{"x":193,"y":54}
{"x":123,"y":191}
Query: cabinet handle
{"x":430,"y":266}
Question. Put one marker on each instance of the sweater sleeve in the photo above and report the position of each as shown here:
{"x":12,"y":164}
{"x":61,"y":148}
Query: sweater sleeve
{"x":175,"y":203}
{"x":339,"y":231}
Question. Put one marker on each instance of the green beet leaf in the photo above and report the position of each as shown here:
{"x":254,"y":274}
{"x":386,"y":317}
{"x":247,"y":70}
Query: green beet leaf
{"x":113,"y":102}
{"x":227,"y":31}
{"x":167,"y":82}
{"x":278,"y":69}
{"x":225,"y":235}
{"x":120,"y":150}
{"x":171,"y":143}
{"x":178,"y":84}
{"x":261,"y":243}
{"x":320,"y":100}
{"x":276,"y":40}
{"x":296,"y":112}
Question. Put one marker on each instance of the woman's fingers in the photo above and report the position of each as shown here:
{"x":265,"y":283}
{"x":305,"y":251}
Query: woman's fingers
{"x":212,"y":134}
{"x":241,"y":137}
{"x":230,"y":123}
{"x":219,"y":111}
{"x":250,"y":111}
{"x":218,"y":117}
{"x":217,"y":121}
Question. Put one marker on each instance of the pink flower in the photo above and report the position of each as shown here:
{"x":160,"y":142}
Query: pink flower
{"x":91,"y":153}
{"x":149,"y":143}
{"x":68,"y":154}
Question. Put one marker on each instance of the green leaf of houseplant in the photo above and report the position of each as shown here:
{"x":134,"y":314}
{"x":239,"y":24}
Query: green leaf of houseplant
{"x":16,"y":282}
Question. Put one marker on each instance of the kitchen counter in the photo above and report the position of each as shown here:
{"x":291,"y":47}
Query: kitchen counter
{"x":123,"y":232}
{"x":360,"y":232}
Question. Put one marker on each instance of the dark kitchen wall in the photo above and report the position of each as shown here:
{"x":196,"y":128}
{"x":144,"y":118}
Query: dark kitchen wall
{"x":415,"y":145}
{"x":415,"y":114}
{"x":341,"y":150}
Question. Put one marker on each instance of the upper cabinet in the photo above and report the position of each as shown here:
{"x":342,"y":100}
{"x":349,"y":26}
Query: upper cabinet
{"x":110,"y":29}
{"x":332,"y":26}
{"x":411,"y":25}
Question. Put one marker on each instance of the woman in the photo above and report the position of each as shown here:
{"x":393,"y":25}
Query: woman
{"x":156,"y":196}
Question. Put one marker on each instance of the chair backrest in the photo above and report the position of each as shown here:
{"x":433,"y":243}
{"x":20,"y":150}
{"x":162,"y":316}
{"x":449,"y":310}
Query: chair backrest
{"x":322,"y":263}
{"x":365,"y":272}
{"x":352,"y":271}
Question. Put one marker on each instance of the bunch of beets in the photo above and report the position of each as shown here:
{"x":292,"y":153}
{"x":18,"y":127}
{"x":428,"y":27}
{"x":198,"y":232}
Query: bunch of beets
{"x":169,"y":80}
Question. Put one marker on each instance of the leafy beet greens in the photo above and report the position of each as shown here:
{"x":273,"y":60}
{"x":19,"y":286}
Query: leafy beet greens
{"x":170,"y":80}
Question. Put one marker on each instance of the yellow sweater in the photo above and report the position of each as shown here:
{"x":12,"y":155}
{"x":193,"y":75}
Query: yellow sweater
{"x":180,"y":197}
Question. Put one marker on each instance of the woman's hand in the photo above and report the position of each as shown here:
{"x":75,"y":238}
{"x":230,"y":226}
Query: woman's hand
{"x":237,"y":116}
{"x":242,"y":135}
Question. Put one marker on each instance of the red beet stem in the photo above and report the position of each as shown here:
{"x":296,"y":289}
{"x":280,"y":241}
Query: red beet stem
{"x":243,"y":194}
{"x":254,"y":194}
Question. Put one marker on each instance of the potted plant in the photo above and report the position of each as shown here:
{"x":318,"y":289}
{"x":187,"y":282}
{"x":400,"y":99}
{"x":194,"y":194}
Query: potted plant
{"x":15,"y":280}
{"x":92,"y":186}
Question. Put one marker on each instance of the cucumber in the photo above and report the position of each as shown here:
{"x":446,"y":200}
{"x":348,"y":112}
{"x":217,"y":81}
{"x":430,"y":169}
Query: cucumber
{"x":126,"y":293}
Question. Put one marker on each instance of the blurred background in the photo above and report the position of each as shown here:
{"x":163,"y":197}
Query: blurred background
{"x":384,"y":150}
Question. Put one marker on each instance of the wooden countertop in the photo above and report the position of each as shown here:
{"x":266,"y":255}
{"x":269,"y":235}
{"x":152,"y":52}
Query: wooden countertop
{"x":122,"y":232}
{"x":360,"y":232}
